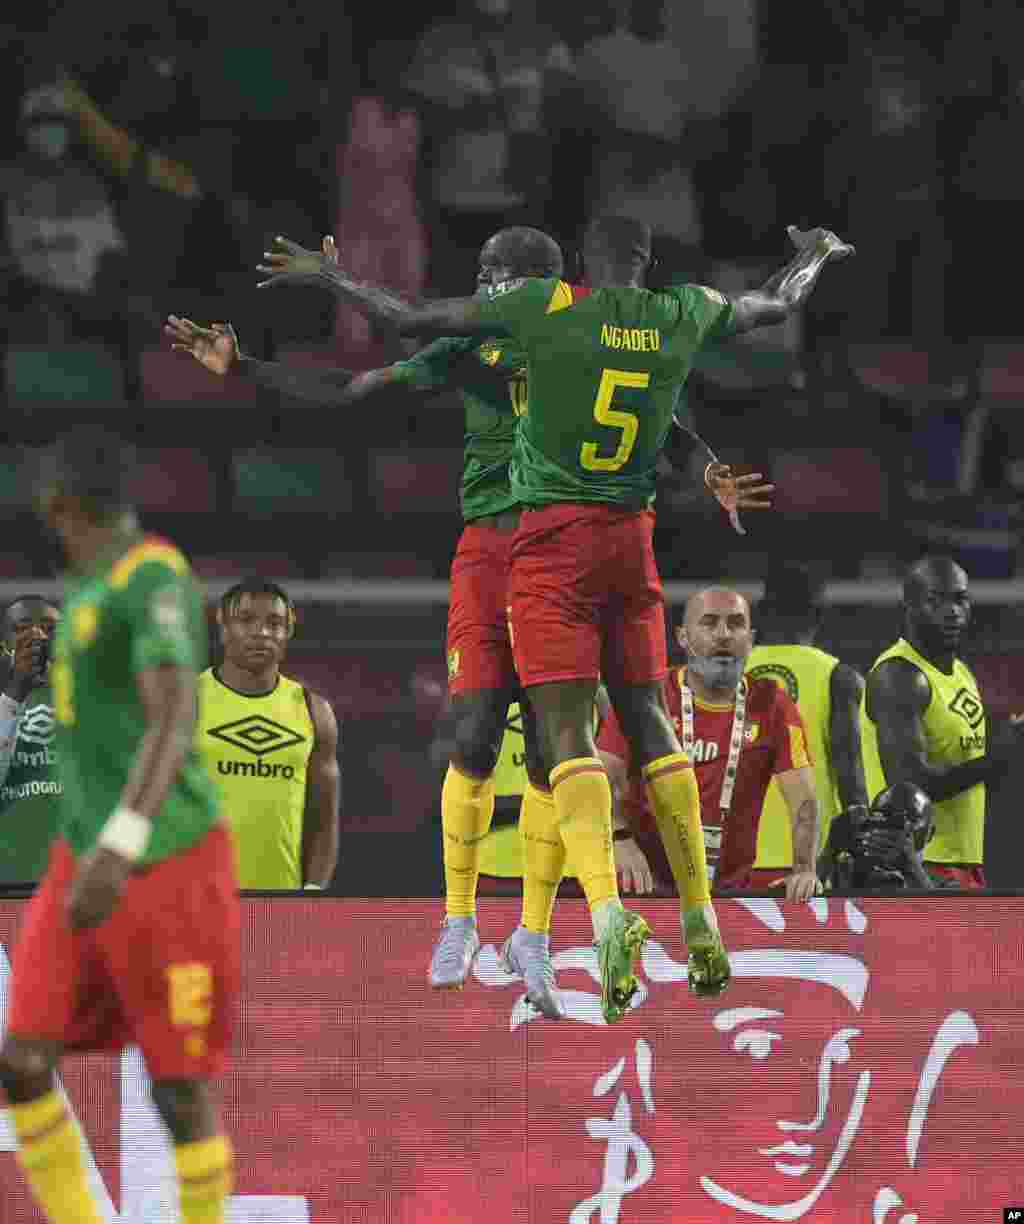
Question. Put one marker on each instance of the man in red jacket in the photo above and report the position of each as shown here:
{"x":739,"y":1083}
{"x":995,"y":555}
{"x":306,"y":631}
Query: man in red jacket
{"x":739,"y":733}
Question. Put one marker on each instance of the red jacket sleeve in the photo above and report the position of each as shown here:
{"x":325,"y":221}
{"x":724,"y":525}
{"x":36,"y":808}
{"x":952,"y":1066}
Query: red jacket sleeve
{"x":790,"y":736}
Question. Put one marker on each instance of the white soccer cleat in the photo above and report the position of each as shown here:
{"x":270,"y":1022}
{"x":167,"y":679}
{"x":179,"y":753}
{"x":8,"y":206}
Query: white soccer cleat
{"x":454,"y":953}
{"x":527,"y":955}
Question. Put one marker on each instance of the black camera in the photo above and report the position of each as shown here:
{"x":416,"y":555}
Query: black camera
{"x":862,"y":860}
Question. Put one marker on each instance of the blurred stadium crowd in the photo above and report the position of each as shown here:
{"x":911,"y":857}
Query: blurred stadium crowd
{"x":150,"y":155}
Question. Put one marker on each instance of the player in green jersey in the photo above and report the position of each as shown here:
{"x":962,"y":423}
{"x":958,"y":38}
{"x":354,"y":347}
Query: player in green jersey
{"x":491,"y":382}
{"x":133,"y":934}
{"x":29,"y":783}
{"x":605,"y":365}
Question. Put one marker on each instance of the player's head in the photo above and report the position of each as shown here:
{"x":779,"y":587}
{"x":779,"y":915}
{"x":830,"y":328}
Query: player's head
{"x":27,"y":616}
{"x":617,"y":248}
{"x":517,"y":252}
{"x":936,"y":605}
{"x":715,"y":632}
{"x":257,"y":620}
{"x":82,"y":483}
{"x":791,"y":606}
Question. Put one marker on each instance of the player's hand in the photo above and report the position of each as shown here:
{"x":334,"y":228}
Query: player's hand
{"x":825,"y":240}
{"x":802,"y":886}
{"x":291,"y":264}
{"x":214,"y":347}
{"x":30,"y":661}
{"x":97,"y":889}
{"x":329,"y":249}
{"x":631,"y":863}
{"x":736,"y":493}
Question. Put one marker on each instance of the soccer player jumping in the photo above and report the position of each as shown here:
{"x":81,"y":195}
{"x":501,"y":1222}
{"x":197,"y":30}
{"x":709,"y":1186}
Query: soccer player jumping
{"x":133,"y":934}
{"x":605,"y":365}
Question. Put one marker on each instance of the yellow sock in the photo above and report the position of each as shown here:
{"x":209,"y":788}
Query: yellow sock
{"x":675,"y":800}
{"x":205,"y":1179}
{"x":50,"y":1155}
{"x":467,"y":805}
{"x":543,"y":857}
{"x":583,"y":799}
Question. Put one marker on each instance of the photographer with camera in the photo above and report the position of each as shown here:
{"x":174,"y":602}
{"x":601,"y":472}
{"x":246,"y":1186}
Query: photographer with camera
{"x":30,"y":786}
{"x":880,"y":847}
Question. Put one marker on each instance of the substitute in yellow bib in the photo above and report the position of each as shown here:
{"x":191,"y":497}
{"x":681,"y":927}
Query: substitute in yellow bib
{"x":270,"y":746}
{"x":826,"y":691}
{"x":924,"y":721}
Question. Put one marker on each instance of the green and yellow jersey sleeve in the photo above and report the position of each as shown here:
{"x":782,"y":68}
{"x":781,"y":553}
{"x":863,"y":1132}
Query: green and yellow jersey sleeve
{"x":437,"y":366}
{"x":706,"y":313}
{"x":159,"y":609}
{"x":517,"y":310}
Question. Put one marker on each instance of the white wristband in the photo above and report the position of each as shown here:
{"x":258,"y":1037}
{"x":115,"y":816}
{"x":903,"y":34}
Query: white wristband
{"x":707,"y":481}
{"x":314,"y":887}
{"x":126,"y":833}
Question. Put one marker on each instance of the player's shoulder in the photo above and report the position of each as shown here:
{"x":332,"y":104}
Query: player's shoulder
{"x":293,"y":690}
{"x":535,"y":293}
{"x":152,"y":557}
{"x":691,"y":294}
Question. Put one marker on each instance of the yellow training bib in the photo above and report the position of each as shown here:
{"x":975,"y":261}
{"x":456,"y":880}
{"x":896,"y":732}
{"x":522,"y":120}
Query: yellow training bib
{"x":256,"y":749}
{"x":954,"y":729}
{"x":805,"y":674}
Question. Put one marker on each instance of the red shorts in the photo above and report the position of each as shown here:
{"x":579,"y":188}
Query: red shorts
{"x":479,"y":650}
{"x":585,"y":596}
{"x":965,"y":875}
{"x":163,"y":972}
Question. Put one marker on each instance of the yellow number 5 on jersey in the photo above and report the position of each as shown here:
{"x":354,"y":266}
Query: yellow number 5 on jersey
{"x":605,"y":414}
{"x":190,"y":991}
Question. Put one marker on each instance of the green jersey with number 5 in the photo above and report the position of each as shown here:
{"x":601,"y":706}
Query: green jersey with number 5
{"x":605,"y":368}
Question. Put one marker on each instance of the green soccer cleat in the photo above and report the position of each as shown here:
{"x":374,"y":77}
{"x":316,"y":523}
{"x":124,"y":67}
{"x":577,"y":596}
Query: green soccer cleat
{"x":617,"y":954}
{"x":708,"y":962}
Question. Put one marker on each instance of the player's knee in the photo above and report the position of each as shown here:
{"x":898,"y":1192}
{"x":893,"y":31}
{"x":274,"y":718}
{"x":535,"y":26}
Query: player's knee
{"x":186,"y":1109}
{"x":651,"y":734}
{"x":26,"y":1069}
{"x":478,"y":736}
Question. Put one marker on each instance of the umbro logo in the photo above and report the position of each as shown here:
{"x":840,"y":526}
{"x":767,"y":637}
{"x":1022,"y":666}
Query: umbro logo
{"x":970,"y":709}
{"x":256,"y":734}
{"x":36,"y":725}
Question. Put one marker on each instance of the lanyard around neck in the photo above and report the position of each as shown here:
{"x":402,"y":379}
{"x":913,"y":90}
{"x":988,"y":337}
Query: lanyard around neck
{"x":739,"y":719}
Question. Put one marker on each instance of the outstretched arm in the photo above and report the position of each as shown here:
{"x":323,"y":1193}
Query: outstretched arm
{"x":788,"y":289}
{"x":291,"y":264}
{"x":216,"y":349}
